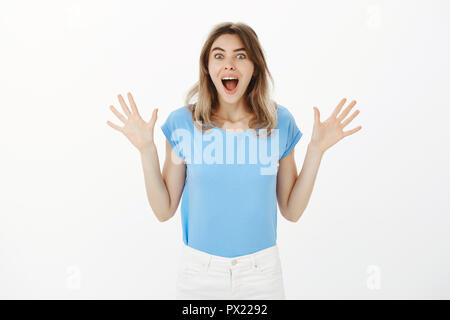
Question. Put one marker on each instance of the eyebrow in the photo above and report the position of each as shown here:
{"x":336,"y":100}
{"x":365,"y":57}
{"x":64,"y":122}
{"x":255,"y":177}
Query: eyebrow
{"x":218,"y":48}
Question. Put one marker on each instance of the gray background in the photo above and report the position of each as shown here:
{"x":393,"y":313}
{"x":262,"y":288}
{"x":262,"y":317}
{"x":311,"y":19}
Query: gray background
{"x":74,"y":218}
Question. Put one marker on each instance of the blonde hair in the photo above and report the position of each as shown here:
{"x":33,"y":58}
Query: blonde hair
{"x":257,"y":94}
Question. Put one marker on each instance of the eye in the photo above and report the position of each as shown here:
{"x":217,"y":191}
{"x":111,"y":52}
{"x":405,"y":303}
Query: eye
{"x":218,"y":54}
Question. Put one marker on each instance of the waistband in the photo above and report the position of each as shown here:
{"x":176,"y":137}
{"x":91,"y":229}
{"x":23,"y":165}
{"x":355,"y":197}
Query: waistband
{"x":253,"y":259}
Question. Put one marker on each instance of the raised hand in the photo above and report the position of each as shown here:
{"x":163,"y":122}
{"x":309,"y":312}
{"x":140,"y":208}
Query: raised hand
{"x":139,"y":132}
{"x":326,"y":134}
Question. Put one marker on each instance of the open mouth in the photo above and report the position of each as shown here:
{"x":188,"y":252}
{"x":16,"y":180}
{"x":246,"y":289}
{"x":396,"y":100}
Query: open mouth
{"x":230,"y":86}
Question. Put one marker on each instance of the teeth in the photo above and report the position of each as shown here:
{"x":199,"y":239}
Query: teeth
{"x":229,"y":78}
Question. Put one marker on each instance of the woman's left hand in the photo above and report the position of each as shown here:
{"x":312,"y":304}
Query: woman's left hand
{"x":326,"y":134}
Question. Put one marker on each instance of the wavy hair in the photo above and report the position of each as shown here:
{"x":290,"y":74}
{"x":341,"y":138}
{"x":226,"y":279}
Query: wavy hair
{"x":257,"y":94}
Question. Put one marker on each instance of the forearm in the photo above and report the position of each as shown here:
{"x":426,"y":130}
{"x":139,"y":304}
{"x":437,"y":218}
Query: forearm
{"x":303,"y":186}
{"x":157,"y":194}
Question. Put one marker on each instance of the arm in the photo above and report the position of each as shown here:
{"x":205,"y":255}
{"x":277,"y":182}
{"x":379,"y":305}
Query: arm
{"x":295,"y":190}
{"x":163,"y":190}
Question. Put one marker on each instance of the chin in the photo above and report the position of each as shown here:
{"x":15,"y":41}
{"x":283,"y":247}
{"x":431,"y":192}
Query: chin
{"x":232,"y":99}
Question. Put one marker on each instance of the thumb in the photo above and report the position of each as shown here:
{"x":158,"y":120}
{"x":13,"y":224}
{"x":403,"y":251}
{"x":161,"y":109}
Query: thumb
{"x":316,"y":115}
{"x":152,"y":120}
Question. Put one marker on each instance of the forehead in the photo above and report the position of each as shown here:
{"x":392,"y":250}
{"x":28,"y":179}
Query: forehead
{"x":228,"y":42}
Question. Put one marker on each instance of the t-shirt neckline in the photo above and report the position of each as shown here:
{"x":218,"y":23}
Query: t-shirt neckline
{"x":232,"y":132}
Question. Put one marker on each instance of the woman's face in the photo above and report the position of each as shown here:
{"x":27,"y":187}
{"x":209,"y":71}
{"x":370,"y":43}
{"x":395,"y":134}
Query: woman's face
{"x":227,"y":58}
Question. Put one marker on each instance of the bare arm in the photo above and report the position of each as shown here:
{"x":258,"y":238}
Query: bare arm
{"x":294,"y":191}
{"x":174,"y":176}
{"x":163,"y":190}
{"x":157,"y":194}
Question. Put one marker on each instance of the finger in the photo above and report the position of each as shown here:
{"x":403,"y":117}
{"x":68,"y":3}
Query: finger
{"x":347,"y":133}
{"x":316,"y":115}
{"x":346,"y":110}
{"x":338,"y":108}
{"x":124,"y":106}
{"x":347,"y":121}
{"x":154,"y":117}
{"x":118,"y":114}
{"x":114,"y":126}
{"x":133,"y":104}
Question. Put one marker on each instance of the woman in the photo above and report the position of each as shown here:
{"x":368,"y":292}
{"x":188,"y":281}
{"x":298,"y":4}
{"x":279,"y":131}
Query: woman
{"x":230,"y":188}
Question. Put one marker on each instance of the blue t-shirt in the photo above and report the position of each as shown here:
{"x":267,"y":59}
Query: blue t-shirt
{"x":229,"y":203}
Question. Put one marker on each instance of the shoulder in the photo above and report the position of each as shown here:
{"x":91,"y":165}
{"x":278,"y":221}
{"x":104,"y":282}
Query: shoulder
{"x":290,"y":134}
{"x":181,"y":113}
{"x":177,"y":123}
{"x":180,"y":117}
{"x":284,"y":116}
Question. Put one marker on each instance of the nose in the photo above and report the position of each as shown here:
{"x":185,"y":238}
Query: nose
{"x":229,"y":64}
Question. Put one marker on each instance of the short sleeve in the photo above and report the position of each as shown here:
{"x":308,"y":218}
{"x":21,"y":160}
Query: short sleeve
{"x":169,"y":129}
{"x":293,"y":134}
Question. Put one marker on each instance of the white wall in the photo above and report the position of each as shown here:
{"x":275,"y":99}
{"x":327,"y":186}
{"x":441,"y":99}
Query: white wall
{"x":74,"y":218}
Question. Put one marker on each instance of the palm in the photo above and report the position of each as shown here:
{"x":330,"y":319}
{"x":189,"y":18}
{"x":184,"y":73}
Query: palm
{"x":328,"y":133}
{"x":137,"y":131}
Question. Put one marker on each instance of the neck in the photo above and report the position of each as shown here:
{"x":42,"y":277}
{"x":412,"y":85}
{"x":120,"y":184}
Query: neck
{"x":232,"y":112}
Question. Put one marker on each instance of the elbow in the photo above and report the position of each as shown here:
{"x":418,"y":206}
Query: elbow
{"x":294,"y":217}
{"x":289,"y":213}
{"x":164,"y":217}
{"x":161,"y":219}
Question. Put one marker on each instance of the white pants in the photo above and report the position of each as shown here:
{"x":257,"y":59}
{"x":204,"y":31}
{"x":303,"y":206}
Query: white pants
{"x":205,"y":276}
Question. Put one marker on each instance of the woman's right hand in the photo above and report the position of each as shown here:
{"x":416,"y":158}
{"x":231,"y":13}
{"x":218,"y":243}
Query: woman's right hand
{"x":139,"y":132}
